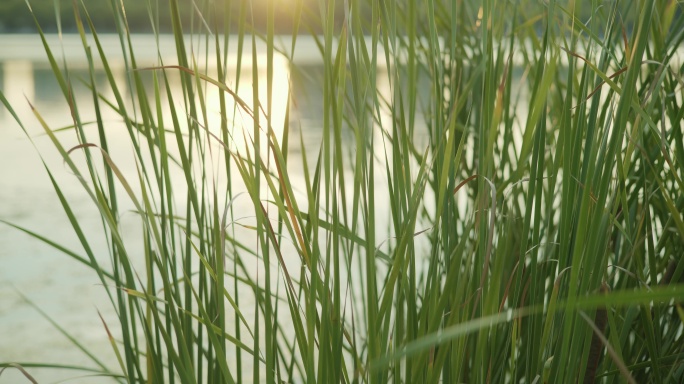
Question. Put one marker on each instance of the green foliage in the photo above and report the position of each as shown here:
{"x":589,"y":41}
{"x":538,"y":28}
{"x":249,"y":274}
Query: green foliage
{"x":506,"y":208}
{"x":15,"y":16}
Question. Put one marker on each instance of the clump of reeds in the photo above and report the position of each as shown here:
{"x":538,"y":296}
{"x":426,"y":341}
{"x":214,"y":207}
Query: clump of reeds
{"x":501,"y":161}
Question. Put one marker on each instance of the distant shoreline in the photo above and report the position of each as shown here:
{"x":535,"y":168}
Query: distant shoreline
{"x":29,"y":47}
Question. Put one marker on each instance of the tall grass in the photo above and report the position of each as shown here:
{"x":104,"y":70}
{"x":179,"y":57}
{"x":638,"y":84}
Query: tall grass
{"x":496,"y":197}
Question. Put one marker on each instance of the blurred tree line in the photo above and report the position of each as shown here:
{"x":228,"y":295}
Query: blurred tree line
{"x":144,"y":16}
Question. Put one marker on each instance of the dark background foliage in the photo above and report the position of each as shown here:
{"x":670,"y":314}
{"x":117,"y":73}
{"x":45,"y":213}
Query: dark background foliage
{"x":15,"y":16}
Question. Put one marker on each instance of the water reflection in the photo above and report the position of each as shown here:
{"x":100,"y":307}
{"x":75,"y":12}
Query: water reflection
{"x":18,"y":81}
{"x":28,"y":199}
{"x":49,"y":277}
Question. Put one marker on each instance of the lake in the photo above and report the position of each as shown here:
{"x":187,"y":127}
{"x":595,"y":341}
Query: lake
{"x":67,"y":291}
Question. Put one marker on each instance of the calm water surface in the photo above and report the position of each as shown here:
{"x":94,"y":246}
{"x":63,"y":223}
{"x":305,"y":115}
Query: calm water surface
{"x":65,"y":290}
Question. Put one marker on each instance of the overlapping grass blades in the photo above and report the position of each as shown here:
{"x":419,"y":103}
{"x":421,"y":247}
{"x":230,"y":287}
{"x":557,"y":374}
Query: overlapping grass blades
{"x":508,"y":163}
